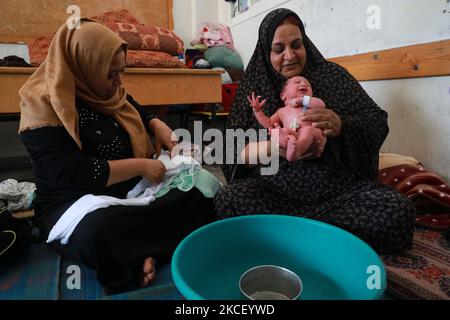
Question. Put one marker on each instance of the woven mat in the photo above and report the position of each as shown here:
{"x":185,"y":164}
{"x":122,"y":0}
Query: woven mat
{"x":162,"y":287}
{"x":422,"y":272}
{"x":33,"y":276}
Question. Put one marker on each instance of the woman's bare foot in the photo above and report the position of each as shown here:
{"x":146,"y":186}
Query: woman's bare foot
{"x":148,"y":272}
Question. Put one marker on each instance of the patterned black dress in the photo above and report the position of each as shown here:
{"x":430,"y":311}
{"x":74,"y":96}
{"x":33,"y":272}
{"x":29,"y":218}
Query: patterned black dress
{"x":340,"y":187}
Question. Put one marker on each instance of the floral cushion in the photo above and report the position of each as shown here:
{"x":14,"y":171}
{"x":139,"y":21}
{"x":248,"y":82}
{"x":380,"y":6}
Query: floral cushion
{"x":121,"y":15}
{"x":152,"y":59}
{"x":142,"y":37}
{"x":138,"y":36}
{"x":135,"y":58}
{"x":38,"y":48}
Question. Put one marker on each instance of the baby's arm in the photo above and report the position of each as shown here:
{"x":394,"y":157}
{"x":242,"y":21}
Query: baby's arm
{"x":262,"y":118}
{"x":316,"y":103}
{"x":267,"y":122}
{"x":308,"y":102}
{"x":275,"y":119}
{"x":257,"y":110}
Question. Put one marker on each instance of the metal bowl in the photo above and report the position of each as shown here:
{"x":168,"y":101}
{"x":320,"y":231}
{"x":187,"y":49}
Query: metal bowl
{"x":269,"y":282}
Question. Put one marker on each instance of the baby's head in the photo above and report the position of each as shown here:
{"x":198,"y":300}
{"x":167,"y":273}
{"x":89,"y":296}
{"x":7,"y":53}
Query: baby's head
{"x":295,"y":87}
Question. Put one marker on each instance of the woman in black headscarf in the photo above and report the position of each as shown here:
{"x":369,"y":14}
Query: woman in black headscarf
{"x":340,"y":186}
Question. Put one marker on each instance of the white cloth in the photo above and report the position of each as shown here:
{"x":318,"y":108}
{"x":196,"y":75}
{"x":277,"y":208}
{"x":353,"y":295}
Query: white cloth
{"x":173,"y":166}
{"x":16,"y":195}
{"x":142,"y":194}
{"x":67,"y":223}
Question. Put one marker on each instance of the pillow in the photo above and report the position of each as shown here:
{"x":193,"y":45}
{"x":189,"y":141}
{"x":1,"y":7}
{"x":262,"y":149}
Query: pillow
{"x":142,"y":37}
{"x":140,"y":59}
{"x":152,"y":59}
{"x":224,"y":57}
{"x":38,"y":48}
{"x":388,"y":160}
{"x":117,"y":16}
{"x":429,"y":192}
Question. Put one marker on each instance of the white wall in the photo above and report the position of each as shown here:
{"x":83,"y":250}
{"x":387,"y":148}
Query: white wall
{"x":339,"y":27}
{"x":182,"y":17}
{"x":419,"y":109}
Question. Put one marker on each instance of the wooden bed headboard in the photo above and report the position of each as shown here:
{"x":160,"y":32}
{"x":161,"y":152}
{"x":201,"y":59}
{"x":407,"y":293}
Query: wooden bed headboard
{"x":430,"y":59}
{"x":24,"y":20}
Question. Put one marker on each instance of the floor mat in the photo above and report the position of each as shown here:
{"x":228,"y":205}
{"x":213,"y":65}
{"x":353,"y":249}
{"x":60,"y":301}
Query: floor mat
{"x":88,"y":288}
{"x":78,"y":282}
{"x":32,"y":276}
{"x":422,"y":272}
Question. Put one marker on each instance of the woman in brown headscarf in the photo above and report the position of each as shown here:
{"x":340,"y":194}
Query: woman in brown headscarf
{"x":340,"y":186}
{"x":85,"y":135}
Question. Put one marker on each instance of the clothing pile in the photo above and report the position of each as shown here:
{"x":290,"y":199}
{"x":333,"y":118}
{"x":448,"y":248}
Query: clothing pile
{"x":13,"y":61}
{"x":214,"y":49}
{"x":15,"y":196}
{"x":15,"y":234}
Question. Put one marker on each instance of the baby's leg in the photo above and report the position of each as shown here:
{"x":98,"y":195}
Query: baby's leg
{"x":291,"y":149}
{"x":305,"y":139}
{"x":280,"y":135}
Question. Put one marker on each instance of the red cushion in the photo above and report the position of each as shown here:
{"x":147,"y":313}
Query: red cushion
{"x":142,"y":37}
{"x":38,"y":48}
{"x":136,"y":34}
{"x":152,"y":59}
{"x":121,"y":15}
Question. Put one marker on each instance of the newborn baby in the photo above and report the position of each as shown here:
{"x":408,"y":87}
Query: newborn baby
{"x":295,"y":135}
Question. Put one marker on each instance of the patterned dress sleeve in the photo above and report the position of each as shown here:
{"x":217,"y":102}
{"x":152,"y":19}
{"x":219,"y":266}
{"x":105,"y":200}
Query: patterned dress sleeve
{"x":59,"y":164}
{"x":364,"y":123}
